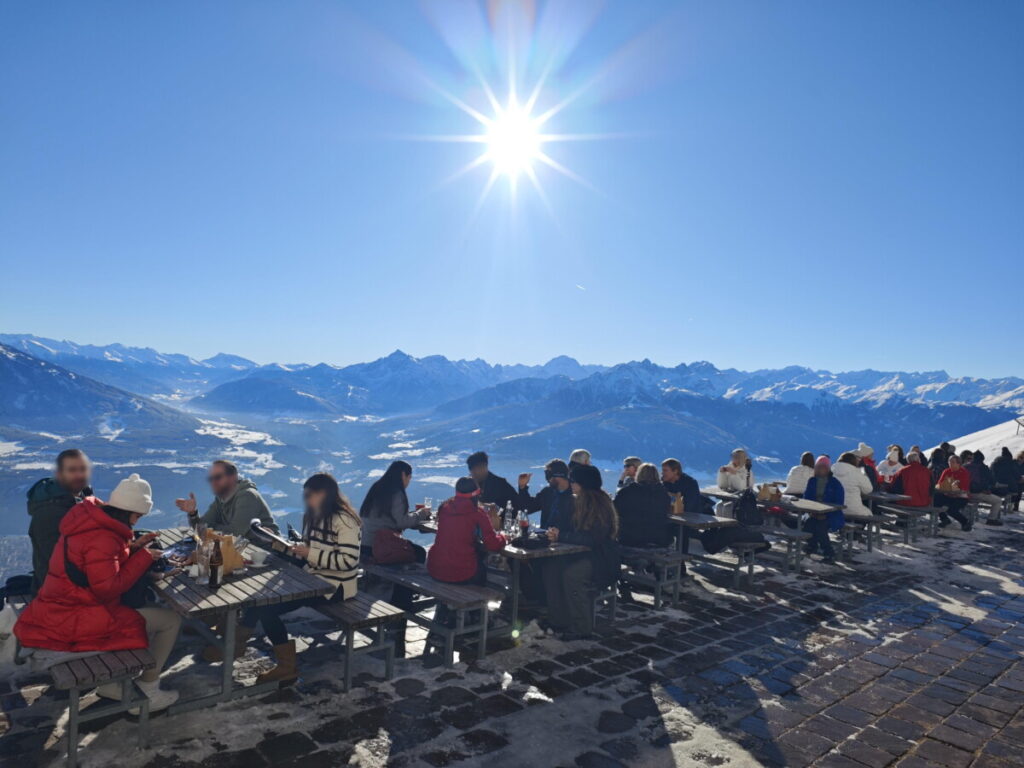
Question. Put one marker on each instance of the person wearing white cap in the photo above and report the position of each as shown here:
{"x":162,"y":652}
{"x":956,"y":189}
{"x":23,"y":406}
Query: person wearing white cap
{"x":79,"y":609}
{"x":866,"y":454}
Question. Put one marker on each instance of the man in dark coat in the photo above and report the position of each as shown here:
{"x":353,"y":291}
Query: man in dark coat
{"x":677,"y":481}
{"x":493,"y":489}
{"x":49,"y":500}
{"x":554,"y":501}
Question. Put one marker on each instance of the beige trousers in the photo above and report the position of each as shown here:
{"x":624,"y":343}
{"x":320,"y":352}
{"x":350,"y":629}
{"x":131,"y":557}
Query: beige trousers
{"x":162,"y":625}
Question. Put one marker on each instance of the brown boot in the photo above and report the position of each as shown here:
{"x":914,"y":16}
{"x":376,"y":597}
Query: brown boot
{"x":286,"y":670}
{"x":212,"y":653}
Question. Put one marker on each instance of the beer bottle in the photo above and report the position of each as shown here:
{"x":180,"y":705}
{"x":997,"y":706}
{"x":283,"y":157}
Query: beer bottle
{"x":216,"y":564}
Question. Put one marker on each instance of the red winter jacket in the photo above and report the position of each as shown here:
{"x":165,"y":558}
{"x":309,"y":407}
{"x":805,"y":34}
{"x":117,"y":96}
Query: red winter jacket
{"x":460,"y":524}
{"x":66,"y":617}
{"x":914,"y":480}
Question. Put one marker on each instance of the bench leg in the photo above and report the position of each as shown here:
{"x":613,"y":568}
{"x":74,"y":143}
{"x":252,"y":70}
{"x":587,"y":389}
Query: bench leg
{"x":350,"y":638}
{"x":227,"y":678}
{"x":750,"y":570}
{"x":73,"y":704}
{"x":912,"y":527}
{"x":613,"y":603}
{"x":659,"y":578}
{"x":909,"y":521}
{"x":130,"y":693}
{"x":449,"y":640}
{"x":481,"y":652}
{"x":736,"y":572}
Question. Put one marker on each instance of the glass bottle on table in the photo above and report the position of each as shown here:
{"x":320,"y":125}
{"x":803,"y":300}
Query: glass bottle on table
{"x":524,"y":523}
{"x":216,"y":565}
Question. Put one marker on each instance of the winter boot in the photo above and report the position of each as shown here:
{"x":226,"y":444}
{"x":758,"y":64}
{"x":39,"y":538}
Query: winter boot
{"x":286,"y":670}
{"x":212,"y":653}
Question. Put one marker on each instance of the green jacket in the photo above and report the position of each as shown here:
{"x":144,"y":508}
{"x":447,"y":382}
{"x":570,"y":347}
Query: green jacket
{"x":235,"y":514}
{"x":48,"y":502}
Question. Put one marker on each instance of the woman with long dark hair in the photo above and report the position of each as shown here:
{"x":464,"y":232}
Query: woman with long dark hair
{"x":330,"y":547}
{"x":386,"y":505}
{"x":386,"y":509}
{"x":570,"y":580}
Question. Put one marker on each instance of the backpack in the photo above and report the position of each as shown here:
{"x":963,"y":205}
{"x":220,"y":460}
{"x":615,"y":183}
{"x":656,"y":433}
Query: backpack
{"x":746,"y":510}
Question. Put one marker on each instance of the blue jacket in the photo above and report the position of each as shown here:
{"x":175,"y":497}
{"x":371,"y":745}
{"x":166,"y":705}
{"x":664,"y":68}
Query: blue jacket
{"x":834,"y":494}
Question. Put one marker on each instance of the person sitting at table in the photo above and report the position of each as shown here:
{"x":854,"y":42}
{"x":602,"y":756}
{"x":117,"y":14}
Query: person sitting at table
{"x":330,"y":547}
{"x":887,"y":469}
{"x":630,"y":466}
{"x":643,"y":508}
{"x":570,"y":580}
{"x":951,"y":494}
{"x":385,"y":513}
{"x":236,"y":502}
{"x":937,"y":463}
{"x":855,"y":483}
{"x":900,"y":455}
{"x":824,"y":488}
{"x":736,"y":476}
{"x":982,"y":483}
{"x":554,"y":501}
{"x":79,"y":609}
{"x":679,"y":483}
{"x":866,"y":454}
{"x":915,"y":481}
{"x":798,"y":475}
{"x":49,"y":500}
{"x":1006,"y":476}
{"x":579,"y":458}
{"x":493,"y":489}
{"x":464,"y":533}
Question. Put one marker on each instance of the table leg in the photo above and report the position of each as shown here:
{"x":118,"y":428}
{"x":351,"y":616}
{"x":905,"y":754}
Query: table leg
{"x":516,"y":564}
{"x":227,"y":679}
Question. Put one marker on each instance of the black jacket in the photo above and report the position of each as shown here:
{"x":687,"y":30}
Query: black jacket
{"x":48,"y":502}
{"x":1006,"y":472}
{"x":643,"y":511}
{"x":693,"y":502}
{"x":981,"y":477}
{"x":497,"y":490}
{"x":556,"y":509}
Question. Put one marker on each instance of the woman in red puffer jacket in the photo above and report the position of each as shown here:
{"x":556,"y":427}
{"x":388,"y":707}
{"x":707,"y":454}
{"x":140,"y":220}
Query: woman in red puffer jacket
{"x":81,"y":611}
{"x":461,"y":524}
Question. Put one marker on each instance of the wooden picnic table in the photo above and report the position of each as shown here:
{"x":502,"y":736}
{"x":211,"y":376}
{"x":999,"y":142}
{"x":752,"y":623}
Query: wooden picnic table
{"x":718,"y":493}
{"x":807,"y":506}
{"x":885,"y":497}
{"x":516,"y":556}
{"x":278,"y":581}
{"x":696,"y":521}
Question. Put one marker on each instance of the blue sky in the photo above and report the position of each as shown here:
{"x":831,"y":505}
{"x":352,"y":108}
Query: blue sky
{"x":839,"y":185}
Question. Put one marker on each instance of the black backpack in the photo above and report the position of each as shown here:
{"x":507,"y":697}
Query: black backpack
{"x":746,"y":510}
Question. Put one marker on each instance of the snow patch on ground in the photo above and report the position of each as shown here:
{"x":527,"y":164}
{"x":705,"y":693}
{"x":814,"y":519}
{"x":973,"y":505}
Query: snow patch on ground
{"x":235,"y":434}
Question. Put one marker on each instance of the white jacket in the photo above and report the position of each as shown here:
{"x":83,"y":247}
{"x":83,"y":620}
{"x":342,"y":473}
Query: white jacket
{"x":738,"y":481}
{"x":798,"y":478}
{"x":856,"y":486}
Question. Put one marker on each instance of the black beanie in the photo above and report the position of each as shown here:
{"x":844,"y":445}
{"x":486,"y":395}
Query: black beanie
{"x":587,"y":476}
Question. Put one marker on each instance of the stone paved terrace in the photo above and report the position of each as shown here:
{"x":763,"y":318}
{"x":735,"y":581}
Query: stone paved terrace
{"x":911,"y":657}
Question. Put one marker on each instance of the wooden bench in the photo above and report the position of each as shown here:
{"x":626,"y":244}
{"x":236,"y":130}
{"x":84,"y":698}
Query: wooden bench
{"x":88,"y":672}
{"x":368,"y":617}
{"x":870,"y":523}
{"x":668,"y":568}
{"x":795,"y":540}
{"x":460,"y":598}
{"x":909,"y":516}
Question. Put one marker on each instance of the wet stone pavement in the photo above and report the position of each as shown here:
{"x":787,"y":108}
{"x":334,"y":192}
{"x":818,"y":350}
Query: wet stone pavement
{"x":910,"y":657}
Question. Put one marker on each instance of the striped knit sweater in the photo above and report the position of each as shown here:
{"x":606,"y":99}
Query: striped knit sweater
{"x":334,"y":554}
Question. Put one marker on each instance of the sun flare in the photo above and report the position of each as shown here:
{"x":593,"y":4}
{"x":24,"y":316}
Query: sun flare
{"x":513,"y":141}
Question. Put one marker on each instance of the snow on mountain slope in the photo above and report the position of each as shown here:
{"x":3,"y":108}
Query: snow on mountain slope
{"x":991,"y":441}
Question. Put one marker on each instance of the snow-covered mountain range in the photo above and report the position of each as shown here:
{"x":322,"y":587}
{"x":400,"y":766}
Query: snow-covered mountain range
{"x":170,"y":414}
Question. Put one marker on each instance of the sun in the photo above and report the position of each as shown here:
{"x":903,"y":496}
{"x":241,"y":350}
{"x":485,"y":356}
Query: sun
{"x":513,"y":140}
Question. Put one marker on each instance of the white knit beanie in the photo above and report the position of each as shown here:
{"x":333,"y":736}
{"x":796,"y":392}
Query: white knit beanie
{"x":864,"y":450}
{"x":132,"y":494}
